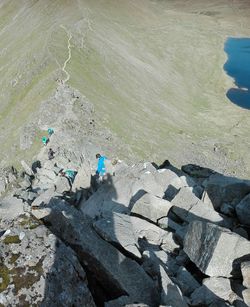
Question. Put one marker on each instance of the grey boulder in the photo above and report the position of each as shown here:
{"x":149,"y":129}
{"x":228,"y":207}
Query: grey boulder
{"x":215,"y":250}
{"x":118,"y":230}
{"x":151,"y":207}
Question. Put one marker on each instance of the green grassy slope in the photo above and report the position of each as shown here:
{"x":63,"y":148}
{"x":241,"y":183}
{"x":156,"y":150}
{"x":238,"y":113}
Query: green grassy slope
{"x":152,"y":69}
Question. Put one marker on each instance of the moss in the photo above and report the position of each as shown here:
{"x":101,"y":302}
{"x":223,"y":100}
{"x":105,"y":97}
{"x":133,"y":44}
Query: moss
{"x":11,"y":240}
{"x":22,"y":280}
{"x":4,"y":274}
{"x":30,"y":222}
{"x":14,"y":258}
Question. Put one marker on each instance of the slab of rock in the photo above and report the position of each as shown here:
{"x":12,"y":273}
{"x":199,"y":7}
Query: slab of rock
{"x":36,"y":268}
{"x":117,"y":274}
{"x":62,"y":185}
{"x":117,"y":229}
{"x":186,"y":281}
{"x":151,"y":207}
{"x":245,"y":270}
{"x":153,"y":234}
{"x":171,"y":294}
{"x":243,"y":210}
{"x":189,"y":208}
{"x":213,"y":288}
{"x":222,"y":189}
{"x":83,"y":177}
{"x":216,"y":251}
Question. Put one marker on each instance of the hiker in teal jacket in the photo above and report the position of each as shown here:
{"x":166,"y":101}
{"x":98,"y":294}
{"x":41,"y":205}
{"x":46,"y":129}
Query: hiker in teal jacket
{"x":101,"y":169}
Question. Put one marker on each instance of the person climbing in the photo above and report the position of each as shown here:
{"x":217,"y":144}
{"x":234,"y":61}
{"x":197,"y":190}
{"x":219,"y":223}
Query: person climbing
{"x":101,"y":169}
{"x":50,"y":132}
{"x":45,"y":140}
{"x":51,"y":154}
{"x":69,"y":174}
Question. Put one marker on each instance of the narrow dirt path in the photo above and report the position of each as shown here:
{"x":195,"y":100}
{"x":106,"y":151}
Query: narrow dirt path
{"x":69,"y":55}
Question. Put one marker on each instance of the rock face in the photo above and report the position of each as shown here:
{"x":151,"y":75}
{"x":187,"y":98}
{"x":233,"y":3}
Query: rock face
{"x":33,"y":264}
{"x":215,"y":250}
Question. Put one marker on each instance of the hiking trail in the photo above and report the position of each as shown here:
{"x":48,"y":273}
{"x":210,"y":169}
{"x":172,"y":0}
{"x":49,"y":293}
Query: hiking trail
{"x":69,"y":55}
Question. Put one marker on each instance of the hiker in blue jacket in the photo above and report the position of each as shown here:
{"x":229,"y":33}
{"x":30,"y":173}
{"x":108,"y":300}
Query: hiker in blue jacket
{"x":101,"y":169}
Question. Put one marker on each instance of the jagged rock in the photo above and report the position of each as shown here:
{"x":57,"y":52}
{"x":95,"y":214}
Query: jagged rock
{"x":171,"y":294}
{"x":62,"y":185}
{"x":245,"y":270}
{"x":36,"y":268}
{"x":246,"y":296}
{"x":118,"y":274}
{"x":26,"y":168}
{"x":216,"y":251}
{"x":197,"y":171}
{"x":10,"y":207}
{"x":212,"y":290}
{"x":243,"y":210}
{"x":118,"y":230}
{"x":222,"y":189}
{"x":189,"y":208}
{"x":83,"y":177}
{"x":186,"y":281}
{"x":153,"y":234}
{"x":151,"y":207}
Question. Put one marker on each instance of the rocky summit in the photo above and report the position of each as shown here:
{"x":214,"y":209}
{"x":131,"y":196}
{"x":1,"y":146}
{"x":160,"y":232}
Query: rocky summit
{"x":145,"y":235}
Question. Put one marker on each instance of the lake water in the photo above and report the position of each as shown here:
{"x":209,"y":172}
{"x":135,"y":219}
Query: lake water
{"x":238,"y":67}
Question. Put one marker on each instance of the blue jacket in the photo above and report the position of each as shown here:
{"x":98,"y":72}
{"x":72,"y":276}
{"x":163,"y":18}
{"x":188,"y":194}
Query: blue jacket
{"x":101,"y":169}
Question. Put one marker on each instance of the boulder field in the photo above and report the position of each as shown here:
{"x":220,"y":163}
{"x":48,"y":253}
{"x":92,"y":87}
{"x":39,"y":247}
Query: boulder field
{"x":144,"y":236}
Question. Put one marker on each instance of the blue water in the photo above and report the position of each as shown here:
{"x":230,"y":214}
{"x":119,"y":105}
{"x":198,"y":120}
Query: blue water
{"x":238,"y":67}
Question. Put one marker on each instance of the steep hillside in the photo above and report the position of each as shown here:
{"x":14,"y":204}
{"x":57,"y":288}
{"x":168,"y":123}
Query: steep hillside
{"x":155,"y":67}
